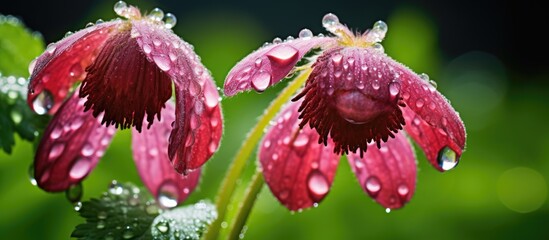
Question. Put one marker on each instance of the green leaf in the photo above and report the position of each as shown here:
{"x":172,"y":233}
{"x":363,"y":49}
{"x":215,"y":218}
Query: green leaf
{"x":15,"y":114}
{"x":18,"y":46}
{"x":188,"y":222}
{"x":124,"y":212}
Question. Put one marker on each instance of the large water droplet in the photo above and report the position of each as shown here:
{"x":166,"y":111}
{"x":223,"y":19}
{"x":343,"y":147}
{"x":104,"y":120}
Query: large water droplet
{"x":318,"y":185}
{"x":31,"y":175}
{"x":120,"y":8}
{"x":156,"y":14}
{"x":56,"y":151}
{"x":162,"y":226}
{"x":447,"y":158}
{"x":403,"y":190}
{"x":74,"y":193}
{"x":330,"y":21}
{"x":80,"y":168}
{"x":167,"y":195}
{"x":162,"y":62}
{"x":305,"y":33}
{"x":373,"y":185}
{"x":261,"y":81}
{"x":283,"y":55}
{"x":43,"y":103}
{"x":116,"y":188}
{"x":170,"y":20}
{"x":394,"y":89}
{"x":379,"y":31}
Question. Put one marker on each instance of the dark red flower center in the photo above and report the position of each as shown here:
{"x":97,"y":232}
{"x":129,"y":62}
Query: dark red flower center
{"x":123,"y":84}
{"x":352,"y":97}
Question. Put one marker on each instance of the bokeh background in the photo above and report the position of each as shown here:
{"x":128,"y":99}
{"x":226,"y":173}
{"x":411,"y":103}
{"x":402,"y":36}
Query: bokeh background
{"x":487,"y":57}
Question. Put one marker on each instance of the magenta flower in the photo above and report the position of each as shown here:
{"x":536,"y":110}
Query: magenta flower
{"x":356,"y":101}
{"x":127,"y":68}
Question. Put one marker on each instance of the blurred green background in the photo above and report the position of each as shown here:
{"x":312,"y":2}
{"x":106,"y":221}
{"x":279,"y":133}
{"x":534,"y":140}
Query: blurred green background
{"x":479,"y":53}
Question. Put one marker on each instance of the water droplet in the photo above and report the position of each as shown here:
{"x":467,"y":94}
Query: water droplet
{"x":394,"y":89}
{"x":43,"y":103}
{"x":128,"y":233}
{"x":433,"y":83}
{"x":277,"y":40}
{"x":167,"y":195}
{"x":170,"y":20}
{"x":267,"y":144}
{"x":424,"y":77}
{"x":387,"y":210}
{"x":432,"y":106}
{"x":162,"y":62}
{"x":379,"y":31}
{"x":261,"y":81}
{"x":301,"y":140}
{"x":163,"y":226}
{"x":156,"y":15}
{"x":102,"y":215}
{"x":258,"y":62}
{"x":115,"y":188}
{"x":284,"y":194}
{"x":330,"y":21}
{"x":283,"y":55}
{"x":120,"y":8}
{"x":447,"y":158}
{"x":403,"y":190}
{"x":373,"y":185}
{"x":51,"y":48}
{"x":74,"y":193}
{"x":31,"y":175}
{"x":378,"y":47}
{"x":76,"y":70}
{"x":151,"y":208}
{"x":212,"y":147}
{"x":99,"y":21}
{"x":420,"y":103}
{"x":56,"y":151}
{"x":336,"y":59}
{"x":318,"y":185}
{"x":305,"y":33}
{"x":147,"y":48}
{"x":375,"y":85}
{"x":153,"y":152}
{"x":90,"y":24}
{"x":77,"y":206}
{"x":100,"y":224}
{"x":80,"y":168}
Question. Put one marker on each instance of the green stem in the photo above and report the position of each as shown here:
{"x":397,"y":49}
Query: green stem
{"x":246,"y":205}
{"x":233,"y":173}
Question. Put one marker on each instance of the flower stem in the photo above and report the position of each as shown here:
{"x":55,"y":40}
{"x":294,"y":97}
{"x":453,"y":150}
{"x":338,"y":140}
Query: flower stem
{"x":246,"y":205}
{"x":233,"y":173}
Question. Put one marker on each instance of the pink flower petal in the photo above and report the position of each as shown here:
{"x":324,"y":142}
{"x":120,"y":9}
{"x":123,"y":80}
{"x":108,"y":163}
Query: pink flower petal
{"x":71,"y":146}
{"x":387,"y":174}
{"x":298,"y":170}
{"x":150,"y":152}
{"x":198,"y":123}
{"x":270,"y":64}
{"x":63,"y":63}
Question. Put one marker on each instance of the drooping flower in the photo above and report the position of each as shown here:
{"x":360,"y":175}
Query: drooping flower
{"x":356,"y":101}
{"x":127,"y":68}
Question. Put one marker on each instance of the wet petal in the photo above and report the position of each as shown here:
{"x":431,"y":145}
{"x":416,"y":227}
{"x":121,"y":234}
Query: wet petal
{"x":124,"y":84}
{"x":270,"y":64}
{"x":387,"y":174}
{"x":297,"y":169}
{"x":71,"y":146}
{"x":198,"y":123}
{"x":349,"y":98}
{"x":150,"y":152}
{"x":430,"y":119}
{"x":63,"y":63}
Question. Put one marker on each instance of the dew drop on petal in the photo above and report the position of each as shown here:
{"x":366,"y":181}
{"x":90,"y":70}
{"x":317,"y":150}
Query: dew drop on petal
{"x":120,"y":7}
{"x":380,"y":30}
{"x":317,"y":185}
{"x":378,"y":47}
{"x":375,"y":85}
{"x":277,"y":40}
{"x":32,"y":64}
{"x":330,"y":21}
{"x":170,"y":20}
{"x":373,"y":185}
{"x":163,"y":63}
{"x":447,"y":158}
{"x":424,"y":77}
{"x":80,"y":168}
{"x":305,"y":33}
{"x":74,"y":193}
{"x":284,"y":194}
{"x":394,"y":89}
{"x":56,"y":151}
{"x":51,"y":48}
{"x":156,"y":14}
{"x":167,"y":195}
{"x":261,"y":81}
{"x":147,"y":48}
{"x":301,"y":140}
{"x":420,"y":103}
{"x":43,"y":103}
{"x":403,"y":190}
{"x":282,"y":55}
